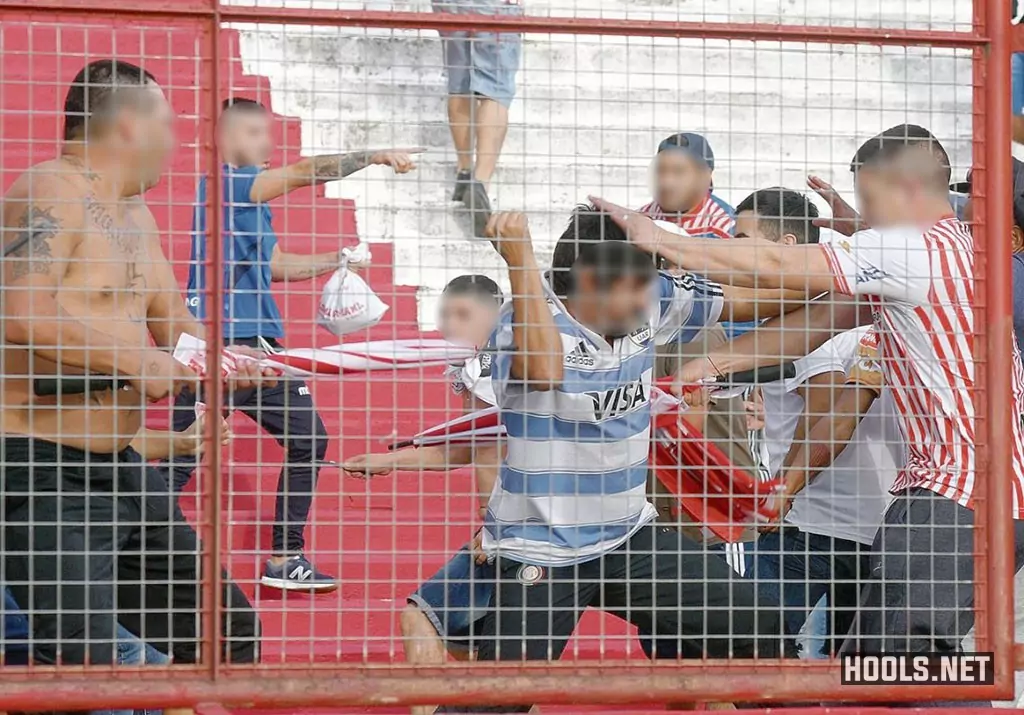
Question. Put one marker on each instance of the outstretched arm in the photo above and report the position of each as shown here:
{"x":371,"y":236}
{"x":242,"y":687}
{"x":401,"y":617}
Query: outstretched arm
{"x":434,"y":458}
{"x":328,"y":167}
{"x":752,"y":304}
{"x":302,"y":267}
{"x":787,"y":337}
{"x":745,"y":262}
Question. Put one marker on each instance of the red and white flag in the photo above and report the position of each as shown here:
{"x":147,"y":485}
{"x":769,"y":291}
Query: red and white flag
{"x":373,"y":355}
{"x":711,"y":490}
{"x":336,"y":360}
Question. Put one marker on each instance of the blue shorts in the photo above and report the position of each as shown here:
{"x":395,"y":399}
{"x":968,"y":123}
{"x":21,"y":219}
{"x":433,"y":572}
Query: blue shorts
{"x":14,"y":640}
{"x":481,"y":63}
{"x":456,"y":598}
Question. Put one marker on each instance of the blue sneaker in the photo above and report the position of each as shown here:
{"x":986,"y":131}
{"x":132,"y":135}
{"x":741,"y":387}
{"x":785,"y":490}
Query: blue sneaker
{"x":297,"y":574}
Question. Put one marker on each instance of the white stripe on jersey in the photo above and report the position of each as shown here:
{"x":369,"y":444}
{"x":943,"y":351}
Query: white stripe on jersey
{"x":573,"y":482}
{"x":921,"y":287}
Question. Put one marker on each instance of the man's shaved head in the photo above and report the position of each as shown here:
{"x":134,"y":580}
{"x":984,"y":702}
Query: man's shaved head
{"x":907,"y":148}
{"x":98,"y":91}
{"x":902,"y":177}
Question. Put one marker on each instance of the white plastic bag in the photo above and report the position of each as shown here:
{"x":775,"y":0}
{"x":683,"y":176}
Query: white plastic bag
{"x":347,"y":303}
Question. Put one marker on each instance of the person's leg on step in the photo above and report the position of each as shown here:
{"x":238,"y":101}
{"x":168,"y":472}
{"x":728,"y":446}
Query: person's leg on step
{"x":287,"y":413}
{"x":457,"y":57}
{"x":534,"y":612}
{"x":159,"y":583}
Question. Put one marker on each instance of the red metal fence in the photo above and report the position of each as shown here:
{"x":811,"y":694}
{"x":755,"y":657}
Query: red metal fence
{"x":339,"y":684}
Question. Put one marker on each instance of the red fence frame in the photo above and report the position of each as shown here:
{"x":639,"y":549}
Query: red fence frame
{"x":334,"y":685}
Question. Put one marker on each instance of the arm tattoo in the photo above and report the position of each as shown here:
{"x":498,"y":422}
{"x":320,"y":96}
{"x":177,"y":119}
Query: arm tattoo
{"x":30,"y":248}
{"x":337,"y":166}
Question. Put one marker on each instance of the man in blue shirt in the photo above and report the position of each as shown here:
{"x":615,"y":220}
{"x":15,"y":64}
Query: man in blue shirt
{"x":252,"y":261}
{"x":568,"y":521}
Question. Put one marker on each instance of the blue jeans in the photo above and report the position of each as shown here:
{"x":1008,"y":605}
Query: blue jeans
{"x":456,"y":598}
{"x":1017,"y":83}
{"x":804,"y":572}
{"x":131,"y":650}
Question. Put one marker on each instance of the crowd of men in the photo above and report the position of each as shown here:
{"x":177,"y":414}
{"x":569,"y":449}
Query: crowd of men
{"x":870,"y":433}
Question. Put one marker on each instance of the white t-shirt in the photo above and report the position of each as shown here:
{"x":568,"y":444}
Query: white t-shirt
{"x":475,"y":378}
{"x":783,"y":407}
{"x":846,"y":500}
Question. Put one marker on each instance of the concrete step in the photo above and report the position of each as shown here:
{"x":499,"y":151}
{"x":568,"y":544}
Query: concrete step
{"x":919,"y":14}
{"x":572,"y":90}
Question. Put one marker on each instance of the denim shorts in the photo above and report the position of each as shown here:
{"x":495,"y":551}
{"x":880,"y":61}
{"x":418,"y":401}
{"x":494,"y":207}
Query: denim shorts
{"x":481,"y":63}
{"x":456,"y":598}
{"x":14,"y":640}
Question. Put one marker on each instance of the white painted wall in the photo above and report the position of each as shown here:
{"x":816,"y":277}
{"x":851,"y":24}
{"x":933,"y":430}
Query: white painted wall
{"x":591,"y":110}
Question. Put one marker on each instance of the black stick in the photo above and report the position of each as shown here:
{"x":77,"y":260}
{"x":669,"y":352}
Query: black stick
{"x":57,"y":386}
{"x":760,"y":375}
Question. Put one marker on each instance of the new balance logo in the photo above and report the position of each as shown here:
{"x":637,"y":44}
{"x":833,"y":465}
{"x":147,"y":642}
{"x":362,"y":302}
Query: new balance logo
{"x":300,"y":573}
{"x":304,"y":391}
{"x":579,"y":356}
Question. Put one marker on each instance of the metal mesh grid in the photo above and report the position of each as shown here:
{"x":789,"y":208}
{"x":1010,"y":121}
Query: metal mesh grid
{"x":597,"y":89}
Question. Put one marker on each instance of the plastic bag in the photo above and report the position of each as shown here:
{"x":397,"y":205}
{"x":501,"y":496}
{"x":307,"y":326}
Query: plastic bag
{"x":347,"y":303}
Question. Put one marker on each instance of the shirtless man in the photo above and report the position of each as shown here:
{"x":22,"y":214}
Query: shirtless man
{"x":91,"y":533}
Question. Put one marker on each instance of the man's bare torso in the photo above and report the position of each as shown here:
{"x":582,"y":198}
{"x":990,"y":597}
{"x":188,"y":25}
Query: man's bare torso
{"x":108,"y":285}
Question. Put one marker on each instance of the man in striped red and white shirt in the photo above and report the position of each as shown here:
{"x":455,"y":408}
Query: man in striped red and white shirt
{"x":683,"y":169}
{"x":912,"y":276}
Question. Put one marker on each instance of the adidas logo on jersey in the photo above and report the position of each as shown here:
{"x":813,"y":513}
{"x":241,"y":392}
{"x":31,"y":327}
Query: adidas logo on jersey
{"x":579,"y":357}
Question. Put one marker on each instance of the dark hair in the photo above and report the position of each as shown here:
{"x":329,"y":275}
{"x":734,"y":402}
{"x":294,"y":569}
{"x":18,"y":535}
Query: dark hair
{"x":894,"y":142}
{"x":587,"y":227}
{"x":476,"y":286}
{"x":592,"y":240}
{"x":612,"y":261}
{"x":241,"y":104}
{"x":97,"y":89}
{"x":780,"y":211}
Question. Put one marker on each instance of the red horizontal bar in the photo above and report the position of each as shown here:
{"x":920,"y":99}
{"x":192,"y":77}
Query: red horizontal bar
{"x":511,"y":23}
{"x":483,"y":684}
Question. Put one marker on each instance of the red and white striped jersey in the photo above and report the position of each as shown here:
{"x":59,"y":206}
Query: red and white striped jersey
{"x":921,"y":288}
{"x":713,"y":218}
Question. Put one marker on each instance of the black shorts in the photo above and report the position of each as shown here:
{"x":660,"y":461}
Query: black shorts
{"x":93,"y":540}
{"x":658,"y":580}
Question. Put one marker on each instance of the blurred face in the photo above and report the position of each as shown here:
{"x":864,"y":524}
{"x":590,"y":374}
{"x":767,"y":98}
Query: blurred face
{"x":467,"y":319}
{"x":680,"y":181}
{"x":886,"y":198}
{"x":749,"y":225}
{"x":144,"y":132}
{"x":614,"y":311}
{"x":247,"y":139}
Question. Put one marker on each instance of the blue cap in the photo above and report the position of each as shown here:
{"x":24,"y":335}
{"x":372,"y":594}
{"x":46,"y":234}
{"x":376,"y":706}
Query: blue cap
{"x":691,"y":144}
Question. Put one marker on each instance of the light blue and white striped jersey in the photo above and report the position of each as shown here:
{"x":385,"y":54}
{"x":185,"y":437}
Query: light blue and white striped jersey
{"x":573,"y":484}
